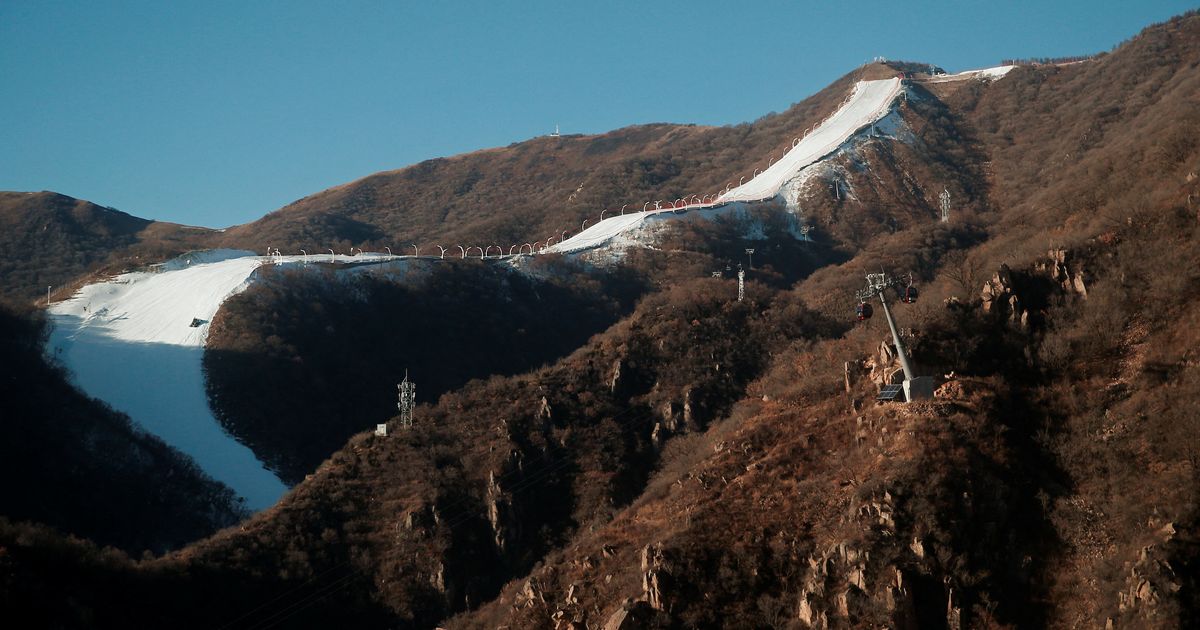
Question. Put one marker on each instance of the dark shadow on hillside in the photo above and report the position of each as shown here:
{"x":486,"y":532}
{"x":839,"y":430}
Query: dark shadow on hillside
{"x":76,"y":464}
{"x":300,"y":363}
{"x":160,"y":387}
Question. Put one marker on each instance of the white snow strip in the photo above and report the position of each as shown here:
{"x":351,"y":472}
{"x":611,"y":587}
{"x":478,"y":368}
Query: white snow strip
{"x":130,"y":343}
{"x":985,"y":73}
{"x":603,"y":231}
{"x":870,"y":101}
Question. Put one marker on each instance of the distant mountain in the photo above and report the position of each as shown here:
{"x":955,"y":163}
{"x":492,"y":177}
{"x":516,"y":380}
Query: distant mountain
{"x":48,"y":239}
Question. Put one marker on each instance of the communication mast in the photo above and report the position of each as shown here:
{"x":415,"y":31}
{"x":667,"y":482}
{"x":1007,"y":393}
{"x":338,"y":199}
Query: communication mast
{"x":555,"y":134}
{"x":945,"y":199}
{"x":408,"y":400}
{"x":741,"y":283}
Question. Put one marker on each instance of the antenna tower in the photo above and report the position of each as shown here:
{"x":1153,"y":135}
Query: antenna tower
{"x":408,"y":400}
{"x":741,"y":283}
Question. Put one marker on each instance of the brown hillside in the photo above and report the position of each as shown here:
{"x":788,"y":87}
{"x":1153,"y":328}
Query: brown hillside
{"x":537,"y":188}
{"x":712,"y":463}
{"x":52,"y":239}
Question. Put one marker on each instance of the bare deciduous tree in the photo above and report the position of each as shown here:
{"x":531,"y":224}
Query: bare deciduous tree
{"x":965,"y":271}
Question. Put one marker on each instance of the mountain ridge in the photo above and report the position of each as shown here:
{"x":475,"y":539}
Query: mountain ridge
{"x":708,"y":461}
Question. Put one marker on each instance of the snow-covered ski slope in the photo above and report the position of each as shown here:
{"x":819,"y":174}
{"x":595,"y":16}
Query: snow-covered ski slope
{"x":130,"y":343}
{"x":868,"y":102}
{"x":604,"y":231}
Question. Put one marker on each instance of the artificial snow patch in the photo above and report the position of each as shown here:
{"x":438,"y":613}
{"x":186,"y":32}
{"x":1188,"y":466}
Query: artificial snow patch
{"x":986,"y":74}
{"x":867,"y":104}
{"x":649,"y":234}
{"x":870,"y":101}
{"x":137,"y":340}
{"x":793,"y":189}
{"x":894,"y":126}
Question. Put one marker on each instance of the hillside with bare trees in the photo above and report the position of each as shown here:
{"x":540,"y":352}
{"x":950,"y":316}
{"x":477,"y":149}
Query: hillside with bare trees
{"x":673,"y":457}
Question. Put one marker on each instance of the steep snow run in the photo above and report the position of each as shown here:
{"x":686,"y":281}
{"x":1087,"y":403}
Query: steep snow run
{"x":137,"y":340}
{"x":868,"y":103}
{"x":604,"y":231}
{"x":131,"y":342}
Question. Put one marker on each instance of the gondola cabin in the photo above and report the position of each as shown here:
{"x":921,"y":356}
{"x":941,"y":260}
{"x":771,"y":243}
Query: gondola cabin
{"x":909,"y":295}
{"x":863,"y":311}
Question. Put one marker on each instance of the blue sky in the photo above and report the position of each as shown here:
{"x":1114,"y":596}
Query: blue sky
{"x":215,"y":113}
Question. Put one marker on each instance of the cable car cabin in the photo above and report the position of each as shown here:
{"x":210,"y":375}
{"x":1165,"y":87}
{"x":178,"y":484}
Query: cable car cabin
{"x":909,"y":295}
{"x":863,"y":311}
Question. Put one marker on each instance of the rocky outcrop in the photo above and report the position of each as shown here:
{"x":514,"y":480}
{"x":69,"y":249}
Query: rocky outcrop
{"x":1150,"y":579}
{"x":1068,"y":273}
{"x":676,"y":417}
{"x":656,"y":577}
{"x":884,"y":369}
{"x":502,"y":512}
{"x":999,"y":298}
{"x":615,"y":380}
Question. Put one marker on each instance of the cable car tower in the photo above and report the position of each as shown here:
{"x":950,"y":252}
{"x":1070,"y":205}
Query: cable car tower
{"x":914,"y":387}
{"x":408,"y":400}
{"x":944,"y":198}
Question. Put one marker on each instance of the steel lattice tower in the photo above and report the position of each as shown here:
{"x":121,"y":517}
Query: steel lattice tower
{"x":408,"y":400}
